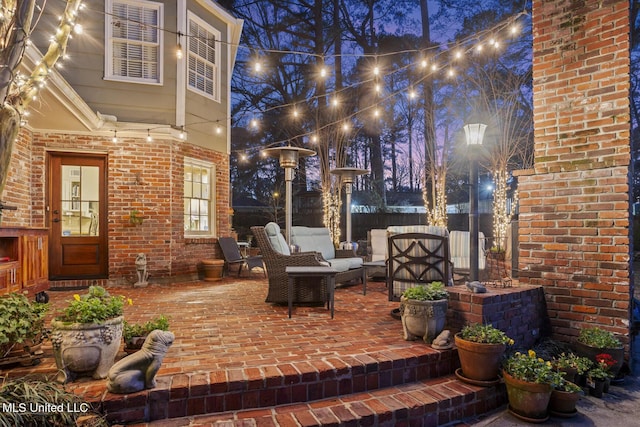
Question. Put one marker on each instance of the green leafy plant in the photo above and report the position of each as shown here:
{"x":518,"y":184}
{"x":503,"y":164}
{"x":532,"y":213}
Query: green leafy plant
{"x":96,"y":306}
{"x":572,"y":361}
{"x":486,"y":334}
{"x":40,"y":392}
{"x":131,"y":330}
{"x":20,"y":320}
{"x":598,"y":338}
{"x":135,"y":217}
{"x":430,"y":292}
{"x":530,"y":368}
{"x":568,"y":386}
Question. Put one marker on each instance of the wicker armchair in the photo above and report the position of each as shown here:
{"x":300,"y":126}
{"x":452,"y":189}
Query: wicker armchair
{"x":309,"y":291}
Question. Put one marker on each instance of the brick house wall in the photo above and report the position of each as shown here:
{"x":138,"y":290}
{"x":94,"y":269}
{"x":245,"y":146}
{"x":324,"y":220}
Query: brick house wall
{"x":141,"y":175}
{"x":574,"y":204}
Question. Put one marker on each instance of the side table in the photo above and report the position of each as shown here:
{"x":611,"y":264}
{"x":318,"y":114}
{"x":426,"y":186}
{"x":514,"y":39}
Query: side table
{"x":371,"y":265}
{"x":327,"y":273}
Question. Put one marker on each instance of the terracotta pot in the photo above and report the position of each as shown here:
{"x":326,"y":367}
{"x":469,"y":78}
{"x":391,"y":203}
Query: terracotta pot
{"x":569,"y":374}
{"x":563,"y":402}
{"x":213,"y":269}
{"x":591,"y":353}
{"x":424,"y":319}
{"x":527,"y":400}
{"x":480,"y":362}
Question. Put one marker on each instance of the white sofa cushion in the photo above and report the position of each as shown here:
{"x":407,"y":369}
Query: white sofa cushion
{"x":378,"y":244}
{"x":276,"y":238}
{"x":459,"y":248}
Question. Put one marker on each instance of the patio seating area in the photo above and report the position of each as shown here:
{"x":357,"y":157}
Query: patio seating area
{"x":236,"y":357}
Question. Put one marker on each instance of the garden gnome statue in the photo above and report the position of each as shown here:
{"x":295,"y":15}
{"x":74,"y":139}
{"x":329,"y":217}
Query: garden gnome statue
{"x":138,"y":371}
{"x":141,"y":269}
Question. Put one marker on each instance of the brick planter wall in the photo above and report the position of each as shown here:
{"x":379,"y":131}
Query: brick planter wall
{"x":147,"y":177}
{"x":574,"y":204}
{"x":519,"y":311}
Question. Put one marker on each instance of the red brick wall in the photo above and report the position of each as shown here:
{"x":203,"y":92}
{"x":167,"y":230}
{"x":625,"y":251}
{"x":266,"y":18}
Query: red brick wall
{"x":144,"y":176}
{"x":574,"y":204}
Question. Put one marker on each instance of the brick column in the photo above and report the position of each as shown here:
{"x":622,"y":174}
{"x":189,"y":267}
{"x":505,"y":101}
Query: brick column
{"x":574,"y":204}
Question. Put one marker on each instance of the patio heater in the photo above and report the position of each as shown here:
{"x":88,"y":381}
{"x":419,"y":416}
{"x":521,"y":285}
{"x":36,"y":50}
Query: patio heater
{"x":347,"y":176}
{"x":474,"y":133}
{"x":289,"y":161}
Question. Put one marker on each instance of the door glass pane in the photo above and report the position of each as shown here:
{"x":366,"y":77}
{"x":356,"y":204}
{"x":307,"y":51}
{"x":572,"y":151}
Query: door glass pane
{"x":80,"y":200}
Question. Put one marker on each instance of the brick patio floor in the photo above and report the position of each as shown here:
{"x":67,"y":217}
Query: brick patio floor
{"x":238,"y":357}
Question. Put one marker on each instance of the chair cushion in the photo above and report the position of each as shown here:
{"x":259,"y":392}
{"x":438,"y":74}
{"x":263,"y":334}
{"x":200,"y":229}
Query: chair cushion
{"x":378,"y":244}
{"x":276,"y":238}
{"x":429,"y":229}
{"x":344,"y":264}
{"x":459,"y":247}
{"x":314,"y":239}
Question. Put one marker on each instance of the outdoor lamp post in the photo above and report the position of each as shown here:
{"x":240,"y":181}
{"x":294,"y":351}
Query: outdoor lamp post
{"x":347,"y":176}
{"x":289,"y":161}
{"x":474,"y":133}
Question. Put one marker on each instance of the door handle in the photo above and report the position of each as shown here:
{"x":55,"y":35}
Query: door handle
{"x":56,"y":219}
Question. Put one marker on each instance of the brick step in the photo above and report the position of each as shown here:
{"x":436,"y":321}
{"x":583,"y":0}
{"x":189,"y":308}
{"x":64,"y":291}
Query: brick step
{"x":430,"y":402}
{"x":263,"y":387}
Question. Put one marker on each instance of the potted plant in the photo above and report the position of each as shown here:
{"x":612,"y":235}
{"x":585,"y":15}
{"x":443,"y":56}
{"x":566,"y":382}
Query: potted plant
{"x":529,"y":381}
{"x":423,"y":310}
{"x":594,"y":341}
{"x":86,"y":335}
{"x":134,"y":334}
{"x":600,"y":374}
{"x":21,"y":329}
{"x":571,"y":365}
{"x":480,"y":349}
{"x":564,"y":397}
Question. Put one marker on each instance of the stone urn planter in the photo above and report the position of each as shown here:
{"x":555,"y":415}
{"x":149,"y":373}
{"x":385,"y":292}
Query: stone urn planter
{"x":423,"y":311}
{"x":85,"y":349}
{"x":87,"y":335}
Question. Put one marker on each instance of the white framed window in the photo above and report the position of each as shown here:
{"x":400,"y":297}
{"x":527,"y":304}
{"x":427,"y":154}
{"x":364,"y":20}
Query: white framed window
{"x":133,"y":41}
{"x":203,"y":63}
{"x":199,"y":198}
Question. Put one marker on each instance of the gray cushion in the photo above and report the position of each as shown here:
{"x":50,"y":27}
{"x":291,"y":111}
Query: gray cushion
{"x":314,"y":239}
{"x":276,"y":238}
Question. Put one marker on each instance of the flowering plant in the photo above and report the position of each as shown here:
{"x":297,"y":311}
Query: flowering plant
{"x":530,"y":368}
{"x":602,"y":368}
{"x":571,"y":360}
{"x":485,"y":334}
{"x":97,"y":305}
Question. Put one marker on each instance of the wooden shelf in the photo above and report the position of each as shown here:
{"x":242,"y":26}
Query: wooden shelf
{"x":27,"y":270}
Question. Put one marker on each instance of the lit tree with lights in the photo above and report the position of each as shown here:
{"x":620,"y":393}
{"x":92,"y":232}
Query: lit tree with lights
{"x":18,"y":90}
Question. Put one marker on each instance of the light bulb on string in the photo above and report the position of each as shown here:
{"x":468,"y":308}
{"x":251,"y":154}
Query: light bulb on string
{"x":218,"y":130}
{"x":149,"y":139}
{"x":179,"y":53}
{"x":254,"y":123}
{"x":115,"y":136}
{"x":323,"y":72}
{"x":181,"y":135}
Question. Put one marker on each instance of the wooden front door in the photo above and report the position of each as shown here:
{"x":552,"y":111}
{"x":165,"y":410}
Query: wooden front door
{"x":77,"y":216}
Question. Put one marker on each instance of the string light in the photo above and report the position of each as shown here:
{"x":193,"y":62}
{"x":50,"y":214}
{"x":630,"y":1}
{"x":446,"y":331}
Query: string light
{"x":115,"y":136}
{"x":149,"y":139}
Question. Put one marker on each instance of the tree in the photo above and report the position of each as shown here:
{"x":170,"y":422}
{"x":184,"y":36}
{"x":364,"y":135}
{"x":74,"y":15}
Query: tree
{"x":17,"y":90}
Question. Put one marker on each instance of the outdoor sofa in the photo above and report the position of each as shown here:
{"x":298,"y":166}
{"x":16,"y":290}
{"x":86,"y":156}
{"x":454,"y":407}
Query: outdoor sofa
{"x":277,"y":257}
